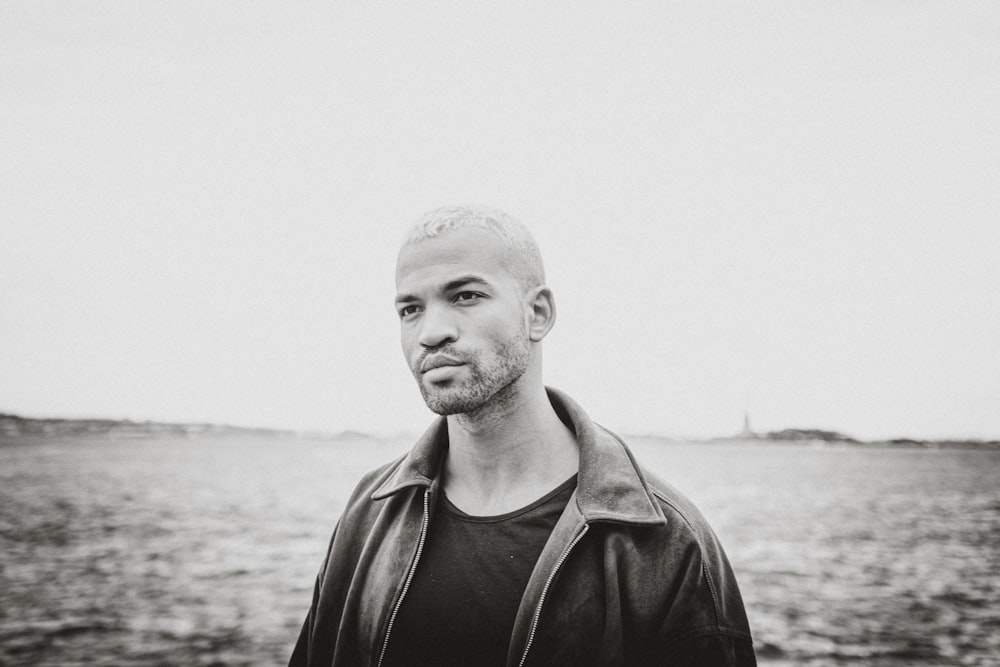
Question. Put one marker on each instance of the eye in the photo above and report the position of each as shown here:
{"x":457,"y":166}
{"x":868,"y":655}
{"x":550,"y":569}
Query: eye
{"x":468,"y":296}
{"x":406,"y":311}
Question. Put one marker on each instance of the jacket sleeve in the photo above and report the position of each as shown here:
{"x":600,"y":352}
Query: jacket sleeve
{"x":317,"y":643}
{"x":703,"y":621}
{"x":300,"y":655}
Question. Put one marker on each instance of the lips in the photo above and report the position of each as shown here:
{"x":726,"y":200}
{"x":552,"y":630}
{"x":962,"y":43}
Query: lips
{"x":438,"y":361}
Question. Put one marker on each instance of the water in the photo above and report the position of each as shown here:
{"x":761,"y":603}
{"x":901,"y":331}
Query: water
{"x":856,"y":557}
{"x":204,"y":551}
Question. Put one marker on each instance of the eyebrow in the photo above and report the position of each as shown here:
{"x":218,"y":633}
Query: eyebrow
{"x":449,"y":286}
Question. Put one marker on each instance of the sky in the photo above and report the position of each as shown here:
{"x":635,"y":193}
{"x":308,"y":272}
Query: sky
{"x":787,"y":209}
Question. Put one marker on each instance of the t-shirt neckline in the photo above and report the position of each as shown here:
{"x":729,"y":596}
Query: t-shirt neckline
{"x":454,"y":511}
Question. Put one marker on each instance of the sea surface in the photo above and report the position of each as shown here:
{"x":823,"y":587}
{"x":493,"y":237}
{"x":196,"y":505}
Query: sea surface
{"x":203,"y":551}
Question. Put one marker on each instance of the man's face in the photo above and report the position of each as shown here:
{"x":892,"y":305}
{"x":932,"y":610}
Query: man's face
{"x":462,"y":317}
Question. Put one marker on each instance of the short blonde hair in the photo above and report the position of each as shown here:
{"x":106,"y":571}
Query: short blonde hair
{"x":523,"y":255}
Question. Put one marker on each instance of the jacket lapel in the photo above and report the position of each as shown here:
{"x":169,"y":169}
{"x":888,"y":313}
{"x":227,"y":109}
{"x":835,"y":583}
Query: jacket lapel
{"x":420,"y":466}
{"x":610,"y":488}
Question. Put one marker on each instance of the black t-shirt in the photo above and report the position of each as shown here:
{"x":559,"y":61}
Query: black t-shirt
{"x":461,"y":604}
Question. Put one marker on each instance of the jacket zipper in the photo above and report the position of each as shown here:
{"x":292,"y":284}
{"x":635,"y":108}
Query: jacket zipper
{"x":545,"y":590}
{"x":409,"y":576}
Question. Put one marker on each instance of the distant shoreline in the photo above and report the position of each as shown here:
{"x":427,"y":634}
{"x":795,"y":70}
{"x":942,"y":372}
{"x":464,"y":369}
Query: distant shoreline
{"x":14,"y":425}
{"x":17,"y":426}
{"x":899,"y":443}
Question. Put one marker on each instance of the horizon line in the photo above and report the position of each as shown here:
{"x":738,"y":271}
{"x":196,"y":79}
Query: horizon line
{"x":740,"y":436}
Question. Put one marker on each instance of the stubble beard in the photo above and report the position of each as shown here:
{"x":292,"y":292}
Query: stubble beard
{"x":490,"y":383}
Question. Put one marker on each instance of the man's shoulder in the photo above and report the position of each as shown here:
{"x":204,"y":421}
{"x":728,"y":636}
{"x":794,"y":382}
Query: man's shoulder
{"x":683,"y":522}
{"x":686,"y":546}
{"x":675,"y":505}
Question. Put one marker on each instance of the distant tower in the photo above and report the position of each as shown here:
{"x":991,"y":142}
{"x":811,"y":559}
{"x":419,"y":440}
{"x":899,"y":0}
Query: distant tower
{"x":747,"y":431}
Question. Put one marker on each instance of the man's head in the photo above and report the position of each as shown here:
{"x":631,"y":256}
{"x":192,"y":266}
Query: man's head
{"x":521,"y":255}
{"x":473,"y":307}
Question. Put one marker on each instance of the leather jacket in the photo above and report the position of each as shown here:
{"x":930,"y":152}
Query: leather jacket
{"x":631,"y":575}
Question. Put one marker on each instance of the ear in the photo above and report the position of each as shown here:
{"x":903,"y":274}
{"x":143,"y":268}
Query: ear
{"x":541,"y":311}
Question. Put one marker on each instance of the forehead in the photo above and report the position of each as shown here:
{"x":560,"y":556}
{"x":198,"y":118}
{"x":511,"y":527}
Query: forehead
{"x":436,"y":259}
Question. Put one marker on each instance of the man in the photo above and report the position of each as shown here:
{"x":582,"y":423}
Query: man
{"x":516,"y":531}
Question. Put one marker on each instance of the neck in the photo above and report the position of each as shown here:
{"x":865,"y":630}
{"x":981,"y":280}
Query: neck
{"x":509,"y":453}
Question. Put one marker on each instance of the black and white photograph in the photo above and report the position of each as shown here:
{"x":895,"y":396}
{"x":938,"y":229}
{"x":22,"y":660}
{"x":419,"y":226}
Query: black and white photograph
{"x":500,"y":333}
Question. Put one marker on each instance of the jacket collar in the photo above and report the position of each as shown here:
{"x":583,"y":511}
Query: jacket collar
{"x":610,"y":486}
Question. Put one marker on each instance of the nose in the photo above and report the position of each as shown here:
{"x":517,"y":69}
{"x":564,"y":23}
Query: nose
{"x":437,"y":327}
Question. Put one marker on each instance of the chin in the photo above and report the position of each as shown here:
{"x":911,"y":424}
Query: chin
{"x":465,"y":398}
{"x":454,"y":397}
{"x":444,"y":403}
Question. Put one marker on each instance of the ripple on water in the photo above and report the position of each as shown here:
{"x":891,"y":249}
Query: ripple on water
{"x":204,"y":552}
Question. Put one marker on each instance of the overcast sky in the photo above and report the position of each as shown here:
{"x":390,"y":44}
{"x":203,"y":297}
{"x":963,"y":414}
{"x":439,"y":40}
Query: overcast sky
{"x":791,"y":208}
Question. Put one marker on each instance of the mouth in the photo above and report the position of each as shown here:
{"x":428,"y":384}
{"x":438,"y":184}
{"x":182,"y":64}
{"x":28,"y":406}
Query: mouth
{"x":439,"y":361}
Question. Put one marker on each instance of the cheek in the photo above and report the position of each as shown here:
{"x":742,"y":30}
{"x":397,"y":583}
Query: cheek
{"x":406,"y":343}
